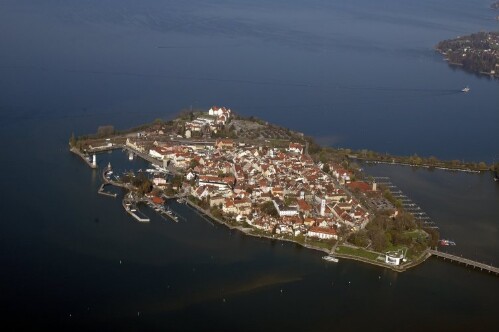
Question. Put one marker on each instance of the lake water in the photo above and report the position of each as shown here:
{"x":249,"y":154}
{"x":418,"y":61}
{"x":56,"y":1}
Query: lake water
{"x":358,"y":74}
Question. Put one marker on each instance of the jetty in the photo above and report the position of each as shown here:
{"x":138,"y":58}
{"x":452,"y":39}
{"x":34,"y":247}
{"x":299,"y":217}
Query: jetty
{"x":130,"y":206}
{"x":104,"y":192}
{"x":467,"y":262}
{"x":85,"y":158}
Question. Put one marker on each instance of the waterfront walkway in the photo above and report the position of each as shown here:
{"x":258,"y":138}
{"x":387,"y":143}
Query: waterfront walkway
{"x":466,"y":261}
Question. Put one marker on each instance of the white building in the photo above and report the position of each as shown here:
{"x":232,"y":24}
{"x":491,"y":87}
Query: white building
{"x":394,"y":257}
{"x":322,"y":233}
{"x":284,"y":210}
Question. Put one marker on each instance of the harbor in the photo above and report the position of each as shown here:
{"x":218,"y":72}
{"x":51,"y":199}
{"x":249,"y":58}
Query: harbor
{"x":407,"y":203}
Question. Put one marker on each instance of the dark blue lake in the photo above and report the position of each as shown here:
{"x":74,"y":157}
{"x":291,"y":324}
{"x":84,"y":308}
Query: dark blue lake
{"x":359,"y":74}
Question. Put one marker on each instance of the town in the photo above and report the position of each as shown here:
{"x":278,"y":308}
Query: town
{"x":267,"y":186}
{"x":478,"y":52}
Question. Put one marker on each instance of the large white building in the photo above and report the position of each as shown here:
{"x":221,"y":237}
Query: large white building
{"x":323,"y":233}
{"x":284,"y":210}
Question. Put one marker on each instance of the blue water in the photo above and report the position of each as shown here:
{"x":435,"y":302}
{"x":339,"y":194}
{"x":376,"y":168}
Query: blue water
{"x":359,"y":74}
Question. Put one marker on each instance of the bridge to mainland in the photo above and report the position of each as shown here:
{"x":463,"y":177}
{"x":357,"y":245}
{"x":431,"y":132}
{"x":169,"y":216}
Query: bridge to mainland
{"x":468,"y":262}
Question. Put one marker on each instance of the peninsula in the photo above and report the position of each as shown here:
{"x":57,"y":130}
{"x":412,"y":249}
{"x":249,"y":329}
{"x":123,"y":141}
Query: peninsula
{"x":265,"y":181}
{"x":478,"y":52}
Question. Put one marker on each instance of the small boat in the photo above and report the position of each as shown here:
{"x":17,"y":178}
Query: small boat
{"x":330,"y":258}
{"x":444,"y":242}
{"x":465,"y":89}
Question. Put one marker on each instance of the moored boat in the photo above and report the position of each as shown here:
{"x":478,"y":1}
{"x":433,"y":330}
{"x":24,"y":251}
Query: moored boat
{"x":444,"y":242}
{"x":330,"y":258}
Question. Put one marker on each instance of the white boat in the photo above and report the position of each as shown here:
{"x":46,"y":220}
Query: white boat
{"x":465,"y":89}
{"x":330,"y":258}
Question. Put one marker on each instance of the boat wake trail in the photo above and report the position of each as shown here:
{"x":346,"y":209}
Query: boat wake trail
{"x":276,"y":83}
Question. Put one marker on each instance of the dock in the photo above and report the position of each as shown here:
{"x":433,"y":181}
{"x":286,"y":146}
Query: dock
{"x":106,"y":193}
{"x":84,"y":157}
{"x":467,"y":262}
{"x":131,"y":208}
{"x":407,"y":203}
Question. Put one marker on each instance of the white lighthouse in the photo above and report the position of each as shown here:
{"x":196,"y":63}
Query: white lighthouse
{"x":94,"y":160}
{"x":374,"y":185}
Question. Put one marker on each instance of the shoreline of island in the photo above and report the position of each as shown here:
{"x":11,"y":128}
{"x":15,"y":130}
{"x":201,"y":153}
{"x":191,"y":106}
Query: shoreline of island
{"x":476,"y":53}
{"x":336,"y":233}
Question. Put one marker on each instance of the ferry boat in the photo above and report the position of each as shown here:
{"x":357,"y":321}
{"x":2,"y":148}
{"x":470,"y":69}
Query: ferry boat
{"x":330,"y":258}
{"x":465,"y":89}
{"x":444,"y":242}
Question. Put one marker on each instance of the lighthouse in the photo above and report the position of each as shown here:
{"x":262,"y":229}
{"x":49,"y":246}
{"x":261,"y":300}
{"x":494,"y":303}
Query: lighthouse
{"x":94,"y":161}
{"x":374,"y":185}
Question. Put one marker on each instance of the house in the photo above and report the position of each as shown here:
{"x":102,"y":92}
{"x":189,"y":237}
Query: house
{"x":134,"y":145}
{"x":213,"y":181}
{"x":224,"y":143}
{"x":216,"y":200}
{"x":229,"y":207}
{"x":323,"y":233}
{"x":295,"y":148}
{"x":244,"y":202}
{"x":159,"y":181}
{"x":158,"y":200}
{"x":284,"y":210}
{"x":304,"y":207}
{"x":218,"y":111}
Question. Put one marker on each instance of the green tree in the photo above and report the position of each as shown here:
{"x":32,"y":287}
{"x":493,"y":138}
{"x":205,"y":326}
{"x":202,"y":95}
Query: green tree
{"x":379,"y":240}
{"x":72,"y":140}
{"x":269,"y":209}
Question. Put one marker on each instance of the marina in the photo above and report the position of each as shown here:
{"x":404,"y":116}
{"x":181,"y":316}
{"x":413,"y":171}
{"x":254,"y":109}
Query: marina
{"x":407,"y":203}
{"x":131,"y":207}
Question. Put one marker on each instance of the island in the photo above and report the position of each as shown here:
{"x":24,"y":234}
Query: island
{"x":270,"y":182}
{"x":266,"y":181}
{"x":478,"y":52}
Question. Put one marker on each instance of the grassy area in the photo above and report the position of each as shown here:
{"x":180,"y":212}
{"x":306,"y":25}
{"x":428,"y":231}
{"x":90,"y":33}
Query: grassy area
{"x":417,"y":234}
{"x":357,"y":252}
{"x":320,"y":244}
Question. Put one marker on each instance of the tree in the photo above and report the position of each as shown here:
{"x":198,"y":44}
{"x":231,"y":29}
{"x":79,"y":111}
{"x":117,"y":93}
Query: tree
{"x":103,"y":131}
{"x":216,"y":212}
{"x":379,"y":240}
{"x":404,"y":222}
{"x":72,"y":140}
{"x":193,"y":163}
{"x":359,"y":239}
{"x":326,"y":168}
{"x":434,"y":236}
{"x":269,"y":209}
